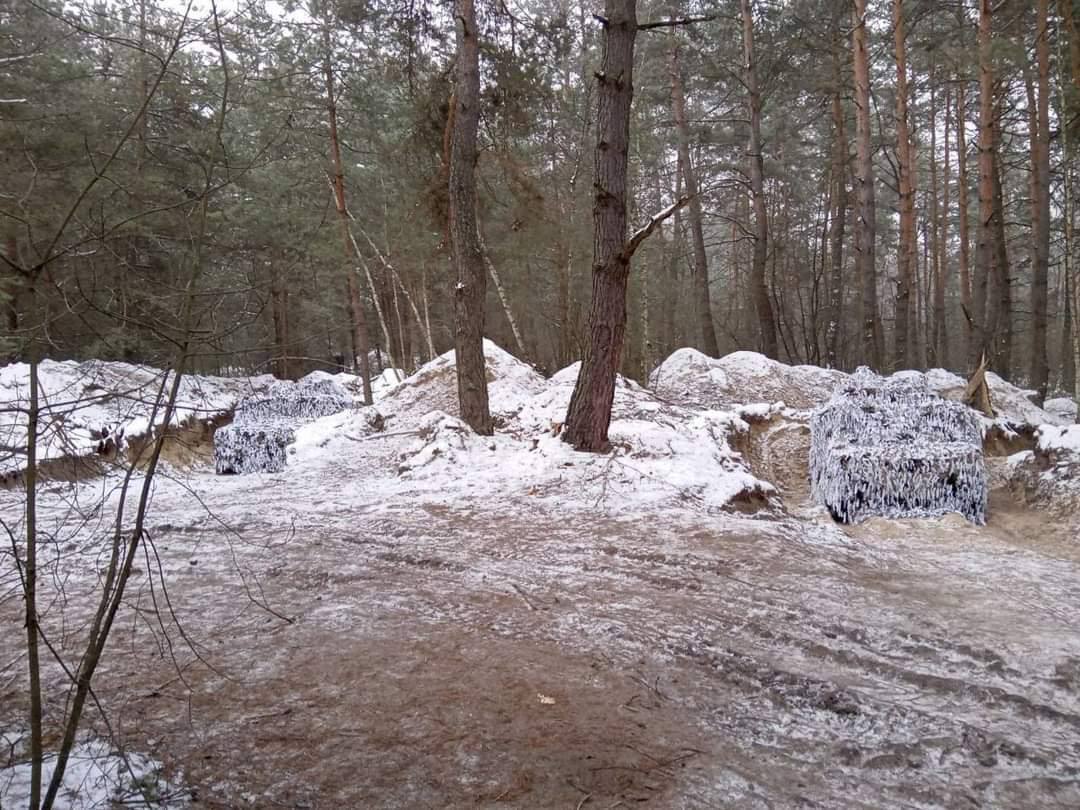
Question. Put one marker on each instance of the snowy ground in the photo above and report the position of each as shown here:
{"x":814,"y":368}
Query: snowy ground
{"x":417,"y":617}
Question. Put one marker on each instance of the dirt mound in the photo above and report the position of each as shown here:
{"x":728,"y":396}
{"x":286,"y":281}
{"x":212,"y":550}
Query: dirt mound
{"x":661,"y":454}
{"x":691,"y":378}
{"x":434,"y":387}
{"x":84,"y":405}
{"x":1063,"y":408}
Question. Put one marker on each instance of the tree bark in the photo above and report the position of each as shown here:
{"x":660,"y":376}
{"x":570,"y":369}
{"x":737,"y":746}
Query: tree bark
{"x":1002,"y":331}
{"x":836,"y":226}
{"x":1040,"y":211}
{"x":471,"y":287}
{"x":279,"y":309}
{"x":906,"y":258}
{"x":356,"y":304}
{"x":873,"y":349}
{"x":942,"y":355}
{"x":984,"y":249}
{"x":703,"y":296}
{"x":762,"y":303}
{"x":1068,"y":17}
{"x":964,"y":221}
{"x":589,"y":414}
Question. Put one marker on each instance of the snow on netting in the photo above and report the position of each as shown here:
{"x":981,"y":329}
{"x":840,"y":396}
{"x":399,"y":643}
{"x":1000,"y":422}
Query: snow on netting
{"x":264,"y":426}
{"x":891,"y":447}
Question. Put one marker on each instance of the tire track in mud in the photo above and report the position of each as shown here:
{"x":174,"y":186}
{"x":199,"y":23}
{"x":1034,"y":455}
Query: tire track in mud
{"x":775,"y":658}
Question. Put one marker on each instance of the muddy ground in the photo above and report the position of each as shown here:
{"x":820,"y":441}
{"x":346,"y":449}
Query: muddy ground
{"x":420,"y":652}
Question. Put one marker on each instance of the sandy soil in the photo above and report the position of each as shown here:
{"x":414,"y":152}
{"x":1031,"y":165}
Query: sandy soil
{"x":392,"y":648}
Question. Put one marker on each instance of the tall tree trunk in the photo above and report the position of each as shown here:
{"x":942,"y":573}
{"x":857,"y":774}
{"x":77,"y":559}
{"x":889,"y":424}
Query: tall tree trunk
{"x":964,"y":225}
{"x":762,"y":303}
{"x":835,"y":299}
{"x":865,"y":225}
{"x":504,"y":299}
{"x":1002,"y":331}
{"x":471,"y":286}
{"x":984,"y":249}
{"x":589,"y":414}
{"x":565,"y":342}
{"x":940,"y":232}
{"x":356,"y":304}
{"x":9,"y":291}
{"x":1069,"y":18}
{"x":1040,"y":152}
{"x":1068,"y":359}
{"x":709,"y":344}
{"x":279,"y":313}
{"x":671,"y":269}
{"x":902,"y":357}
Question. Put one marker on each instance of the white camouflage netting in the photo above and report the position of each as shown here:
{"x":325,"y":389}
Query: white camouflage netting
{"x":264,"y":426}
{"x":894,"y":448}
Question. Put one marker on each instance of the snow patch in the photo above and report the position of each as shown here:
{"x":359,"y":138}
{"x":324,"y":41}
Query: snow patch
{"x":96,"y":776}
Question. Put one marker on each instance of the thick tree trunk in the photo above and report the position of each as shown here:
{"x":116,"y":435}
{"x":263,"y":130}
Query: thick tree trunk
{"x":589,"y":414}
{"x":1040,"y":209}
{"x":356,"y":304}
{"x":703,"y":297}
{"x":762,"y":303}
{"x":902,"y":357}
{"x":984,"y":249}
{"x":471,"y":287}
{"x":964,"y":223}
{"x":873,"y":349}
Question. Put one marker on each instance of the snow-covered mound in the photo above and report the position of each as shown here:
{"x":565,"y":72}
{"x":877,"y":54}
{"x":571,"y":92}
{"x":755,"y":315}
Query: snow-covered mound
{"x":1063,"y":408}
{"x":691,"y":378}
{"x":434,"y":387}
{"x":661,"y":453}
{"x":264,"y":426}
{"x":83,"y":405}
{"x":1014,"y":407}
{"x":1059,"y":444}
{"x":381,"y":384}
{"x":1049,"y":475}
{"x":314,"y":439}
{"x":890,"y":447}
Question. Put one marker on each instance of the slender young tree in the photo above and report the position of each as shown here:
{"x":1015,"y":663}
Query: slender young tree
{"x":865,"y":225}
{"x":902,"y":357}
{"x":356,"y":303}
{"x":964,"y":223}
{"x":702,"y":294}
{"x":1040,"y":203}
{"x":471,"y":286}
{"x":762,"y":302}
